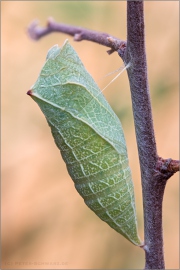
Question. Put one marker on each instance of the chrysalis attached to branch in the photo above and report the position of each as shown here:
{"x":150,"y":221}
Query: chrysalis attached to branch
{"x":90,"y":138}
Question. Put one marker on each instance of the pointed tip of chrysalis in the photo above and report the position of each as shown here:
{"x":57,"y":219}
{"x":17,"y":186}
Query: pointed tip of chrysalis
{"x":29,"y":92}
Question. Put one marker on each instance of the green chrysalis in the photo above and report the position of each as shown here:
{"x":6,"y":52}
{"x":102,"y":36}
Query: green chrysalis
{"x":90,"y":138}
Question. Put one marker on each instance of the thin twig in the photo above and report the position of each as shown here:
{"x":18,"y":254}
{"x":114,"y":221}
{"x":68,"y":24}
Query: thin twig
{"x":36,"y":32}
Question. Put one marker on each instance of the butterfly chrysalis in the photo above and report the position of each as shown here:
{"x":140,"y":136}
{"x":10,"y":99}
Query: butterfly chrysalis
{"x":90,"y":138}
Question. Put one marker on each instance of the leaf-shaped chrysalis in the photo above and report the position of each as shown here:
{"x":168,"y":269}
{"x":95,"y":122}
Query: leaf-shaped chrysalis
{"x":90,"y":138}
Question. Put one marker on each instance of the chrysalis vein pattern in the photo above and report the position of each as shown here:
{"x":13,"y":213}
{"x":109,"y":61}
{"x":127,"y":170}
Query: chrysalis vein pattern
{"x":90,"y":138}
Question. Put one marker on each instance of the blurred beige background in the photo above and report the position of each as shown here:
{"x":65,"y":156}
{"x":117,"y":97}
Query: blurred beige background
{"x":45,"y":223}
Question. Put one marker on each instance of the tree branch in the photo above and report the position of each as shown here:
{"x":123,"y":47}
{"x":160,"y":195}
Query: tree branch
{"x":154,"y":170}
{"x":152,"y":189}
{"x":36,"y":32}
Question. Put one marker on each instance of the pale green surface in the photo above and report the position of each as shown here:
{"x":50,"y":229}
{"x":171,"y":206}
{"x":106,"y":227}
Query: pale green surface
{"x":90,"y":138}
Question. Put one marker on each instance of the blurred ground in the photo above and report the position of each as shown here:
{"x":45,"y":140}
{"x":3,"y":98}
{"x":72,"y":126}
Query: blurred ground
{"x":45,"y":223}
